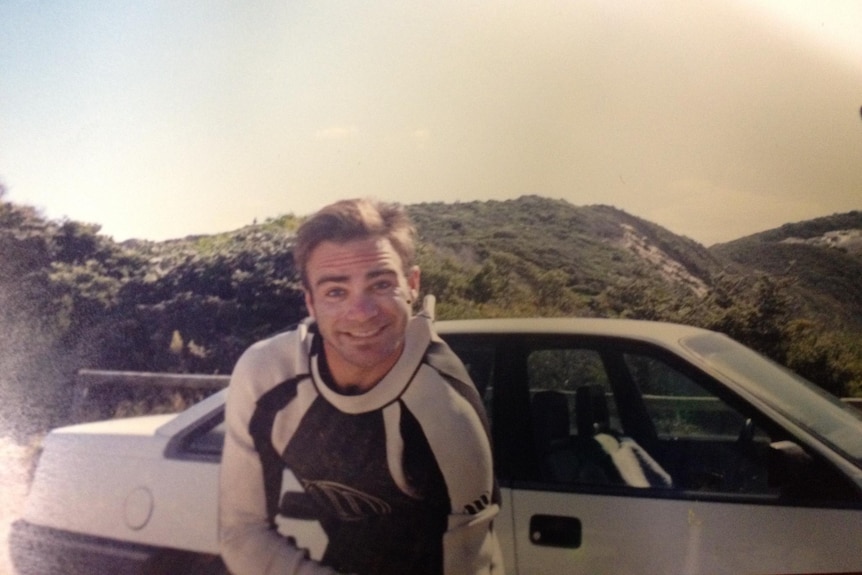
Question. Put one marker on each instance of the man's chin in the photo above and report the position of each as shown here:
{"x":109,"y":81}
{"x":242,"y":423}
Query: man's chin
{"x":371,"y":354}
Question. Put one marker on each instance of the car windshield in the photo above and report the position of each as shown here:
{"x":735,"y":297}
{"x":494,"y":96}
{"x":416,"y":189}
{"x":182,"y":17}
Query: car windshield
{"x":825,"y":416}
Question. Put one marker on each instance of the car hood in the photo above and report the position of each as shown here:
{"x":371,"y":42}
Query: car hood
{"x":145,"y":425}
{"x":130,"y":437}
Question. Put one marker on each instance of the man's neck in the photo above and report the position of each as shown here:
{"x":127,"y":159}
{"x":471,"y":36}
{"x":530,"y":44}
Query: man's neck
{"x":352,"y":380}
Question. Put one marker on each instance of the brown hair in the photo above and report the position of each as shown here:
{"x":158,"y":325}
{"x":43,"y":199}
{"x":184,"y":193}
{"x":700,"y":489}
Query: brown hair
{"x":356,"y":219}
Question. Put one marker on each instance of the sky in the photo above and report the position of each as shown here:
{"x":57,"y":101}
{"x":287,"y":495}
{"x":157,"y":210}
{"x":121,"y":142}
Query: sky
{"x":161,"y":119}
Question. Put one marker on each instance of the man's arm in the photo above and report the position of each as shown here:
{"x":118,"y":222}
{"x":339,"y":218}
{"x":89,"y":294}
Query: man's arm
{"x":470,"y":544}
{"x":249,"y":544}
{"x":452,"y":421}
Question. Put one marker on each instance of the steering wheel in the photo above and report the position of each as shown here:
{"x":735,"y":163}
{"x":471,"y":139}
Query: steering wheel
{"x":745,"y":439}
{"x":738,"y":476}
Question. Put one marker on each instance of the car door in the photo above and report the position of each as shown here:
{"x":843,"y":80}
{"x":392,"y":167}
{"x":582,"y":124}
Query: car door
{"x":616,"y":457}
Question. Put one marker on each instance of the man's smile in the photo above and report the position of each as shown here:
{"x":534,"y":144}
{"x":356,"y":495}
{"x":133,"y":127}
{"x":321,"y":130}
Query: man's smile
{"x":364,"y":333}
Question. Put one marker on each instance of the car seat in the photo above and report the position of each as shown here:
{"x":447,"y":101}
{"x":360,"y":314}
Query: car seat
{"x":558,"y":461}
{"x":591,"y":410}
{"x":619,"y":458}
{"x":593,"y":419}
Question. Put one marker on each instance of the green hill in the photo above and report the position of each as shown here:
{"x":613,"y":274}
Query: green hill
{"x":591,"y":247}
{"x":821,"y":258}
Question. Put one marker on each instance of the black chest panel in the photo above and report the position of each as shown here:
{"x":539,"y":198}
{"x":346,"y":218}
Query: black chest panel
{"x":373,"y":526}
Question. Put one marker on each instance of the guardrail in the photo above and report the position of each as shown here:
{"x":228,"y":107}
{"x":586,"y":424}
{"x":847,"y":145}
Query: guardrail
{"x":104,"y":394}
{"x":88,"y":378}
{"x":854,"y":401}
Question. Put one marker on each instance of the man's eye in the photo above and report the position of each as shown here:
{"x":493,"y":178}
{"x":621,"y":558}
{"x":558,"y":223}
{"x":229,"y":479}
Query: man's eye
{"x":383,"y":285}
{"x":334,"y":293}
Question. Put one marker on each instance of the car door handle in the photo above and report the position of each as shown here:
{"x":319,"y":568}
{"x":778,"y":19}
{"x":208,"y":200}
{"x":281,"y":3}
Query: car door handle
{"x":555,"y":531}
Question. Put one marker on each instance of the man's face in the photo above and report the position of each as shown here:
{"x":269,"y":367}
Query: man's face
{"x":360,"y":297}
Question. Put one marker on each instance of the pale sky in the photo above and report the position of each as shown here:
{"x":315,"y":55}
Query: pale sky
{"x":160,"y":119}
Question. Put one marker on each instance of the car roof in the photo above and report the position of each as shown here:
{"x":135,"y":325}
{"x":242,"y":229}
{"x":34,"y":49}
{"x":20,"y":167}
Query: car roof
{"x":663,"y":333}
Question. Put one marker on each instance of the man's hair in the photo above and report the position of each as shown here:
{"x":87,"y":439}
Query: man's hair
{"x":356,"y":219}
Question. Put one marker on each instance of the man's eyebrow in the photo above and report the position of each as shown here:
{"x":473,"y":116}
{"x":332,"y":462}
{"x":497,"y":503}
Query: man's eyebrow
{"x":331,"y":279}
{"x":380,"y":272}
{"x":344,"y":278}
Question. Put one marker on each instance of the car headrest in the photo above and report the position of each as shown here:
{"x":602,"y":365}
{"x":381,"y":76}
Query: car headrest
{"x":591,"y":410}
{"x":550,"y":413}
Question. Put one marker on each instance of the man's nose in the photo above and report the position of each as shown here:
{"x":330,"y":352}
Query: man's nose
{"x":363,"y":307}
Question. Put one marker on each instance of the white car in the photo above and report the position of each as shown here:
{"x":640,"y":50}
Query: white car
{"x":621,"y":447}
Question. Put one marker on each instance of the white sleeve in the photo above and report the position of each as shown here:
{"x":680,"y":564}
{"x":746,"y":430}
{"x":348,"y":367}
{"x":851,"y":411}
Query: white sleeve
{"x":457,"y":438}
{"x":470,"y":545}
{"x":249,"y":546}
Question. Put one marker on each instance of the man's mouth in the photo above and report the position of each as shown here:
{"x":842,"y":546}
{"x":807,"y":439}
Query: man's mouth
{"x":365,"y":333}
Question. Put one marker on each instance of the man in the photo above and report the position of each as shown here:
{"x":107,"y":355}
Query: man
{"x":355,"y":441}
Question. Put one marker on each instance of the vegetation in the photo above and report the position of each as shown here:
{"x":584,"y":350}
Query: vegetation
{"x":72,"y":298}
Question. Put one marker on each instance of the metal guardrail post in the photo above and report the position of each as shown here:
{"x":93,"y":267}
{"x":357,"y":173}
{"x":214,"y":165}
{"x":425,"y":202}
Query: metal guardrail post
{"x":91,"y":377}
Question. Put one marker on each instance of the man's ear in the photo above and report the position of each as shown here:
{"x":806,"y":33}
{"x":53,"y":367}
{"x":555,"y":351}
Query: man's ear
{"x":309,"y":303}
{"x":413,"y":281}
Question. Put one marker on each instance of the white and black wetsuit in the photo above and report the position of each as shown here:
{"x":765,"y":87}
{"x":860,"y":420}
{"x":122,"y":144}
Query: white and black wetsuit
{"x":399,"y":478}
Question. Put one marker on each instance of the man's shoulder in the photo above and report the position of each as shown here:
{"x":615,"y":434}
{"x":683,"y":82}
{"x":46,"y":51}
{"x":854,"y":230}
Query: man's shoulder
{"x":277,"y":358}
{"x":299,"y":334}
{"x":442,"y":359}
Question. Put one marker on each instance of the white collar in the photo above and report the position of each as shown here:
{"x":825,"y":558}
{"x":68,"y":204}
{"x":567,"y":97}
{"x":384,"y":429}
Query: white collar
{"x":416,"y":340}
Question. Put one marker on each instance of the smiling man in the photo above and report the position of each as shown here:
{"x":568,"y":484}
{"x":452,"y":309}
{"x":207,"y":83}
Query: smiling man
{"x":356,"y":442}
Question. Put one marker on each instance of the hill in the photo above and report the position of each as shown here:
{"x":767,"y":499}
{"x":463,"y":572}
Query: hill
{"x":592,"y":246}
{"x":821,"y":259}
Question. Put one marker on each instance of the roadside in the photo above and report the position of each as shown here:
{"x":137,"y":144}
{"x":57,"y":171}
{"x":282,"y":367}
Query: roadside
{"x":14,"y":483}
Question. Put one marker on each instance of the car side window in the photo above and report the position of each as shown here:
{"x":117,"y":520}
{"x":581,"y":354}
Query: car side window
{"x":679,"y":407}
{"x":201,"y":440}
{"x":564,"y":372}
{"x":602,"y":417}
{"x":577,"y":433}
{"x":705,"y":443}
{"x":208,"y":443}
